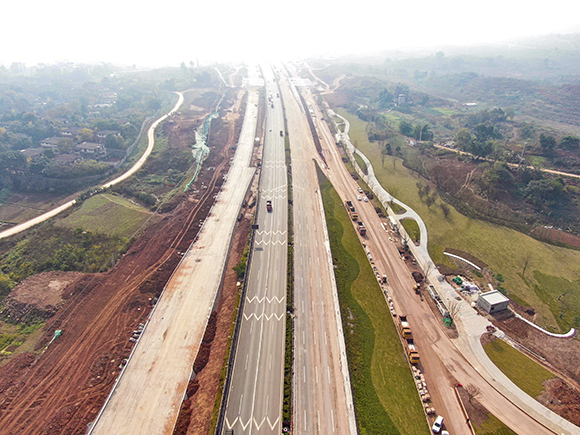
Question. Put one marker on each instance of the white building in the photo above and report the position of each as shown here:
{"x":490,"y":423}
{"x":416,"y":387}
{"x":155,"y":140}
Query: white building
{"x":492,"y":302}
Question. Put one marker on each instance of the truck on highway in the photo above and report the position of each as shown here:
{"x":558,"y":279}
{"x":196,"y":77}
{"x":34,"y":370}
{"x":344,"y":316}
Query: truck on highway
{"x":361,"y":228}
{"x":351,"y":211}
{"x":269,"y":205}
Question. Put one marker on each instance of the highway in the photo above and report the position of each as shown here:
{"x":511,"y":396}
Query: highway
{"x":254,"y":402}
{"x":323,"y":401}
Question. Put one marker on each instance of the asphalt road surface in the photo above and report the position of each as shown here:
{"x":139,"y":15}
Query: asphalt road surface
{"x":254,"y":403}
{"x":322,"y":394}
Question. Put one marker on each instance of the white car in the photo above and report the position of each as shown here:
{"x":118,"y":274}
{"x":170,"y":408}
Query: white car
{"x":436,"y":428}
{"x":366,"y":199}
{"x":360,"y":190}
{"x":359,"y":198}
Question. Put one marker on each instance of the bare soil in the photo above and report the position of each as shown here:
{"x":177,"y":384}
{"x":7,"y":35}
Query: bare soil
{"x":38,"y":297}
{"x":60,"y":388}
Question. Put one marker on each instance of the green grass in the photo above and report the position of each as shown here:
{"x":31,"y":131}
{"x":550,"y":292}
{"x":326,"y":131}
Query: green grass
{"x":361,"y":164}
{"x":108,"y":214}
{"x":412,"y":228}
{"x":523,"y":371}
{"x":493,"y":426}
{"x":503,"y":249}
{"x":385,"y":395}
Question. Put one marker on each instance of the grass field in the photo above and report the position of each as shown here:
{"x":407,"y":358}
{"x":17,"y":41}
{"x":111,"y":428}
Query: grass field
{"x":386,"y":399}
{"x":503,"y":249}
{"x":108,"y":214}
{"x":522,"y":370}
{"x":412,"y":228}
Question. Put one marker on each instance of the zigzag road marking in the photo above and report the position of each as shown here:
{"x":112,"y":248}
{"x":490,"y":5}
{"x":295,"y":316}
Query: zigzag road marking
{"x":264,"y":242}
{"x":229,"y":426}
{"x":272,"y":425}
{"x":277,"y":316}
{"x":269,"y":300}
{"x":270,"y":233}
{"x":258,"y":426}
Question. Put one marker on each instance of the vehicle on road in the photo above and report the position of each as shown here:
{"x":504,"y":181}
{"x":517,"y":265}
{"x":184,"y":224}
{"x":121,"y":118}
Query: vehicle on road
{"x":436,"y":428}
{"x":359,"y":198}
{"x":366,"y":199}
{"x":269,"y":205}
{"x":361,"y":228}
{"x":407,"y":336}
{"x":351,"y":211}
{"x":360,"y":190}
{"x":281,"y":133}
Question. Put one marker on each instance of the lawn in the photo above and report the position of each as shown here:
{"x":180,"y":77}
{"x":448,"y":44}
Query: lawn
{"x":385,"y":395}
{"x":522,"y":370}
{"x":503,"y":249}
{"x":108,"y":214}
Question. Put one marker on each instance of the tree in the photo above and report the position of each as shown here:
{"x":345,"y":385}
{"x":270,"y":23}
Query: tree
{"x":569,"y":142}
{"x":463,"y":139}
{"x":65,"y":145}
{"x":406,"y":128}
{"x":85,"y":135}
{"x":472,"y":391}
{"x":547,"y":141}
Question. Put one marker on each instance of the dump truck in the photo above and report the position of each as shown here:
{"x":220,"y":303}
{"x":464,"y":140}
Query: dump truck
{"x":404,"y":327}
{"x":411,"y":350}
{"x":269,"y":205}
{"x":351,"y":211}
{"x":361,"y":228}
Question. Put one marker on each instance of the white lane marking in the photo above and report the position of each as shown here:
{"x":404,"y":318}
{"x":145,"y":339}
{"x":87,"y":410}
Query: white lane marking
{"x":314,"y":334}
{"x":240,"y":408}
{"x":304,"y":368}
{"x":325,"y":338}
{"x":318,"y":412}
{"x":316,"y":373}
{"x":332,"y":418}
{"x":246,"y":365}
{"x":328,"y":373}
{"x":258,"y":426}
{"x":303,"y":337}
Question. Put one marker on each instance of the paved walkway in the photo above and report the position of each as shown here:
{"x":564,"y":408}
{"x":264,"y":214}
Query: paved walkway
{"x":469,"y":324}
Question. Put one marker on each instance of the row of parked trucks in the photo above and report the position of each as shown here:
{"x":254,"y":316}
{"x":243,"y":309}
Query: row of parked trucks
{"x":407,"y":336}
{"x":354,"y":216}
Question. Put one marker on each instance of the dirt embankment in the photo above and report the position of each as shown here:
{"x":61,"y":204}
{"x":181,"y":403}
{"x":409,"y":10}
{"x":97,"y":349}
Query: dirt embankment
{"x":61,"y":389}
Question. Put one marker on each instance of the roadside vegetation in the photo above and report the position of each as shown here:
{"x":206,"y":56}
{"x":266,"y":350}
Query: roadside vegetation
{"x":522,"y":370}
{"x":385,"y":395}
{"x":532,"y":271}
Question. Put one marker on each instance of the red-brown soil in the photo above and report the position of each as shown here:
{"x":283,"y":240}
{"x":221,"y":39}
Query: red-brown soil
{"x":60,"y":389}
{"x":557,"y":235}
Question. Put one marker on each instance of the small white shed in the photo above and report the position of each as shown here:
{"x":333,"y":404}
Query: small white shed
{"x":492,"y":302}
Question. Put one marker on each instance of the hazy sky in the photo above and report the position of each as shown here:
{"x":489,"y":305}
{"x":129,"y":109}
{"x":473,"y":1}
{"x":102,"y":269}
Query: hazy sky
{"x":150,"y":33}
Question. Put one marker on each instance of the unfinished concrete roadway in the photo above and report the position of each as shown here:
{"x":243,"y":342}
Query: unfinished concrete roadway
{"x":323,"y":401}
{"x":147,"y":396}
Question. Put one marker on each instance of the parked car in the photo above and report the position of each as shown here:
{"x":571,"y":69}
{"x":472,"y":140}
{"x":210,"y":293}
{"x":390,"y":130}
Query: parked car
{"x":436,"y":428}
